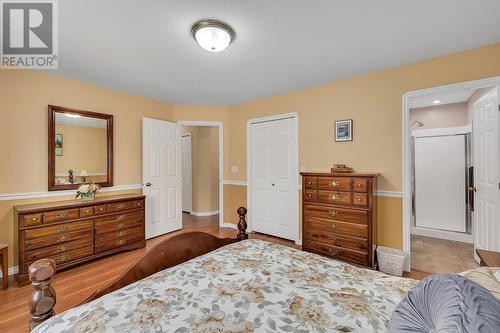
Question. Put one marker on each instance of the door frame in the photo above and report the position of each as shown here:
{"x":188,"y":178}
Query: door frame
{"x":295,"y":117}
{"x":191,"y":150}
{"x":406,"y":156}
{"x":220,"y":125}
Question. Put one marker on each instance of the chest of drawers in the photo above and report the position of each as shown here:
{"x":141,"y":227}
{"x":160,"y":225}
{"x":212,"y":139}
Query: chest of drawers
{"x":338,"y":216}
{"x":75,"y":231}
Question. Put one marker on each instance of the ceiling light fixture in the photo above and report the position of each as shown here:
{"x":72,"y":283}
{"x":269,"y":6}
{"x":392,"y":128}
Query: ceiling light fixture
{"x":212,"y":35}
{"x":437,"y":101}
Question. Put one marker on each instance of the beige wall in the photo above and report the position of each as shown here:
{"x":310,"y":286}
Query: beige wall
{"x":440,"y":116}
{"x":205,"y":157}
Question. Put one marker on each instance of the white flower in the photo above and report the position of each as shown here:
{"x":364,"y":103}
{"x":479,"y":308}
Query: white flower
{"x":85,"y":188}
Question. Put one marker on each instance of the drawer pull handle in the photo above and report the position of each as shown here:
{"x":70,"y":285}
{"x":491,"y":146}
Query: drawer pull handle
{"x":101,"y":209}
{"x":309,"y":195}
{"x":333,"y":252}
{"x":62,"y":229}
{"x":62,"y":258}
{"x":87,"y":211}
{"x":120,"y":206}
{"x":63,"y":214}
{"x":360,"y":184}
{"x":333,"y":213}
{"x":62,"y":248}
{"x":360,"y":199}
{"x":334,"y":183}
{"x":119,"y":234}
{"x":334,"y":197}
{"x":139,"y":204}
{"x":61,"y":238}
{"x":333,"y":238}
{"x":34,"y":219}
{"x":120,"y":242}
{"x":333,"y":226}
{"x":120,"y":217}
{"x":309,"y":183}
{"x":120,"y":225}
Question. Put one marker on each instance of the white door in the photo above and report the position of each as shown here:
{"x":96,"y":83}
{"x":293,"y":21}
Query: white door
{"x":187,"y":173}
{"x":162,"y":176}
{"x":440,"y":169}
{"x":486,"y":176}
{"x":274,"y":177}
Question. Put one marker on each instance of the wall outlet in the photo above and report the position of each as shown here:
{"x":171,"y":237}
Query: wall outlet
{"x":234,"y":169}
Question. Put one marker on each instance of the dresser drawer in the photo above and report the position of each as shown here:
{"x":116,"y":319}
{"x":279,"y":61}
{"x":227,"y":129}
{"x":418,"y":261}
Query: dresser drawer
{"x":360,"y":200}
{"x":101,"y":209}
{"x":45,"y":252}
{"x":119,"y":206}
{"x":61,"y":215}
{"x":336,"y":252}
{"x":36,"y":243}
{"x":86,"y":211}
{"x":360,"y":185}
{"x":60,"y":229}
{"x":118,"y":222}
{"x":311,"y":182}
{"x":337,"y":227}
{"x":330,"y":238}
{"x":339,"y":214}
{"x":62,"y":258}
{"x":112,"y":241}
{"x":335,"y":198}
{"x":310,"y":195}
{"x":335,"y":183}
{"x":114,"y":235}
{"x":29,"y":220}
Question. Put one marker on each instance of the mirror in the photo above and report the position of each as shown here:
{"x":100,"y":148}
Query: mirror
{"x":80,"y":148}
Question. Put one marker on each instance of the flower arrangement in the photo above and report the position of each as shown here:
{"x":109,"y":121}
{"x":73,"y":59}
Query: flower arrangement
{"x":87,"y":191}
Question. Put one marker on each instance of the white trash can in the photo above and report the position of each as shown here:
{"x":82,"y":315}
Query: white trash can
{"x":390,"y":261}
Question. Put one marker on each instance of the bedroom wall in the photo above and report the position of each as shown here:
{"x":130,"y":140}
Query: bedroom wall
{"x":374,"y":102}
{"x":24,"y":96}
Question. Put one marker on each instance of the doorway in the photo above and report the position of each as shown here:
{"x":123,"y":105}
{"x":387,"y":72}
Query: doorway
{"x":273,"y":176}
{"x":202,"y":161}
{"x":441,"y":147}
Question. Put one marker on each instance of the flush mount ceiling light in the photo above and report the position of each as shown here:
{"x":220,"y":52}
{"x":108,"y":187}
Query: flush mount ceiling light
{"x":212,"y":35}
{"x":437,"y":101}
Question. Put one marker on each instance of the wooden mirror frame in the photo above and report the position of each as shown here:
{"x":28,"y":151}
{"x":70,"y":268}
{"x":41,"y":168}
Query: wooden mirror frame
{"x":52,"y":186}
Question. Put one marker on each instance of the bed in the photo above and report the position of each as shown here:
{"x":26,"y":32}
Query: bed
{"x":242,"y":286}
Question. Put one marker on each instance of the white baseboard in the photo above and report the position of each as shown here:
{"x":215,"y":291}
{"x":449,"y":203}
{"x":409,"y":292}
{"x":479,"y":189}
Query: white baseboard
{"x":12,"y":271}
{"x":215,"y":212}
{"x":298,"y":241}
{"x":442,"y":234}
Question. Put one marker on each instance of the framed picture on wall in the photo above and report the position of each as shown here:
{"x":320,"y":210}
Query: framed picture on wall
{"x":59,"y":144}
{"x":343,"y":130}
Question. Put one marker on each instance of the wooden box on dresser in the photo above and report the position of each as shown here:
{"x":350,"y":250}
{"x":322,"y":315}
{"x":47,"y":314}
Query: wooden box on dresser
{"x":338,"y":216}
{"x":75,"y":231}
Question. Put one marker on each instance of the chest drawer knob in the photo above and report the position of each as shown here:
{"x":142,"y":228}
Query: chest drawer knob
{"x":139,"y":204}
{"x":34,"y":219}
{"x":62,"y":248}
{"x":120,"y":206}
{"x":61,"y":238}
{"x":87,"y":211}
{"x":333,"y":252}
{"x":333,"y":183}
{"x":62,"y":258}
{"x":119,"y":234}
{"x":334,"y":197}
{"x":101,"y":209}
{"x":120,"y":242}
{"x":63,"y":214}
{"x":333,"y":226}
{"x":360,"y":199}
{"x":62,"y":229}
{"x":309,"y":195}
{"x":360,"y":185}
{"x":120,"y":225}
{"x":333,"y":213}
{"x":120,"y":217}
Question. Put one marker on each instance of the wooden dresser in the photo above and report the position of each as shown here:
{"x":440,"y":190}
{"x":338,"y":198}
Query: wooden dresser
{"x":75,"y":231}
{"x":338,"y":216}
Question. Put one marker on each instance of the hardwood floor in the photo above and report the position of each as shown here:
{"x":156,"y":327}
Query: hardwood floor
{"x":75,"y":284}
{"x":438,"y":256}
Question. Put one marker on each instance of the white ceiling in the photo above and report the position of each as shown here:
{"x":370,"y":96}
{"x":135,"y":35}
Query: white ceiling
{"x":145,"y":47}
{"x":456,"y":95}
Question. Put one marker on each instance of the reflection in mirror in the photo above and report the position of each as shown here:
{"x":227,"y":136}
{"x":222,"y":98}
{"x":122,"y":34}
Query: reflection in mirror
{"x":80,"y":149}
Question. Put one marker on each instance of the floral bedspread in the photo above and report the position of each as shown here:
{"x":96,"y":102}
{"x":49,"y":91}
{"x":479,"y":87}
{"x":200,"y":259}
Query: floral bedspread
{"x":250,"y":286}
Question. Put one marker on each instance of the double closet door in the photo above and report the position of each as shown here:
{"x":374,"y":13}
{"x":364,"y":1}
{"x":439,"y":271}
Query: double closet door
{"x":274,"y":177}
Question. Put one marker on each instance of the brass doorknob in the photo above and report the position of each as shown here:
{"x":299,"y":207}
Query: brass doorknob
{"x":472,"y":189}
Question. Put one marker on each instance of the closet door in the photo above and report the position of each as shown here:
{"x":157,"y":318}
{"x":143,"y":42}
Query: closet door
{"x":274,"y":171}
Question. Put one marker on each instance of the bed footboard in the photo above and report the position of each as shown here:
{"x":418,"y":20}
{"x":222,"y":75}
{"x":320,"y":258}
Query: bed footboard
{"x":168,"y":253}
